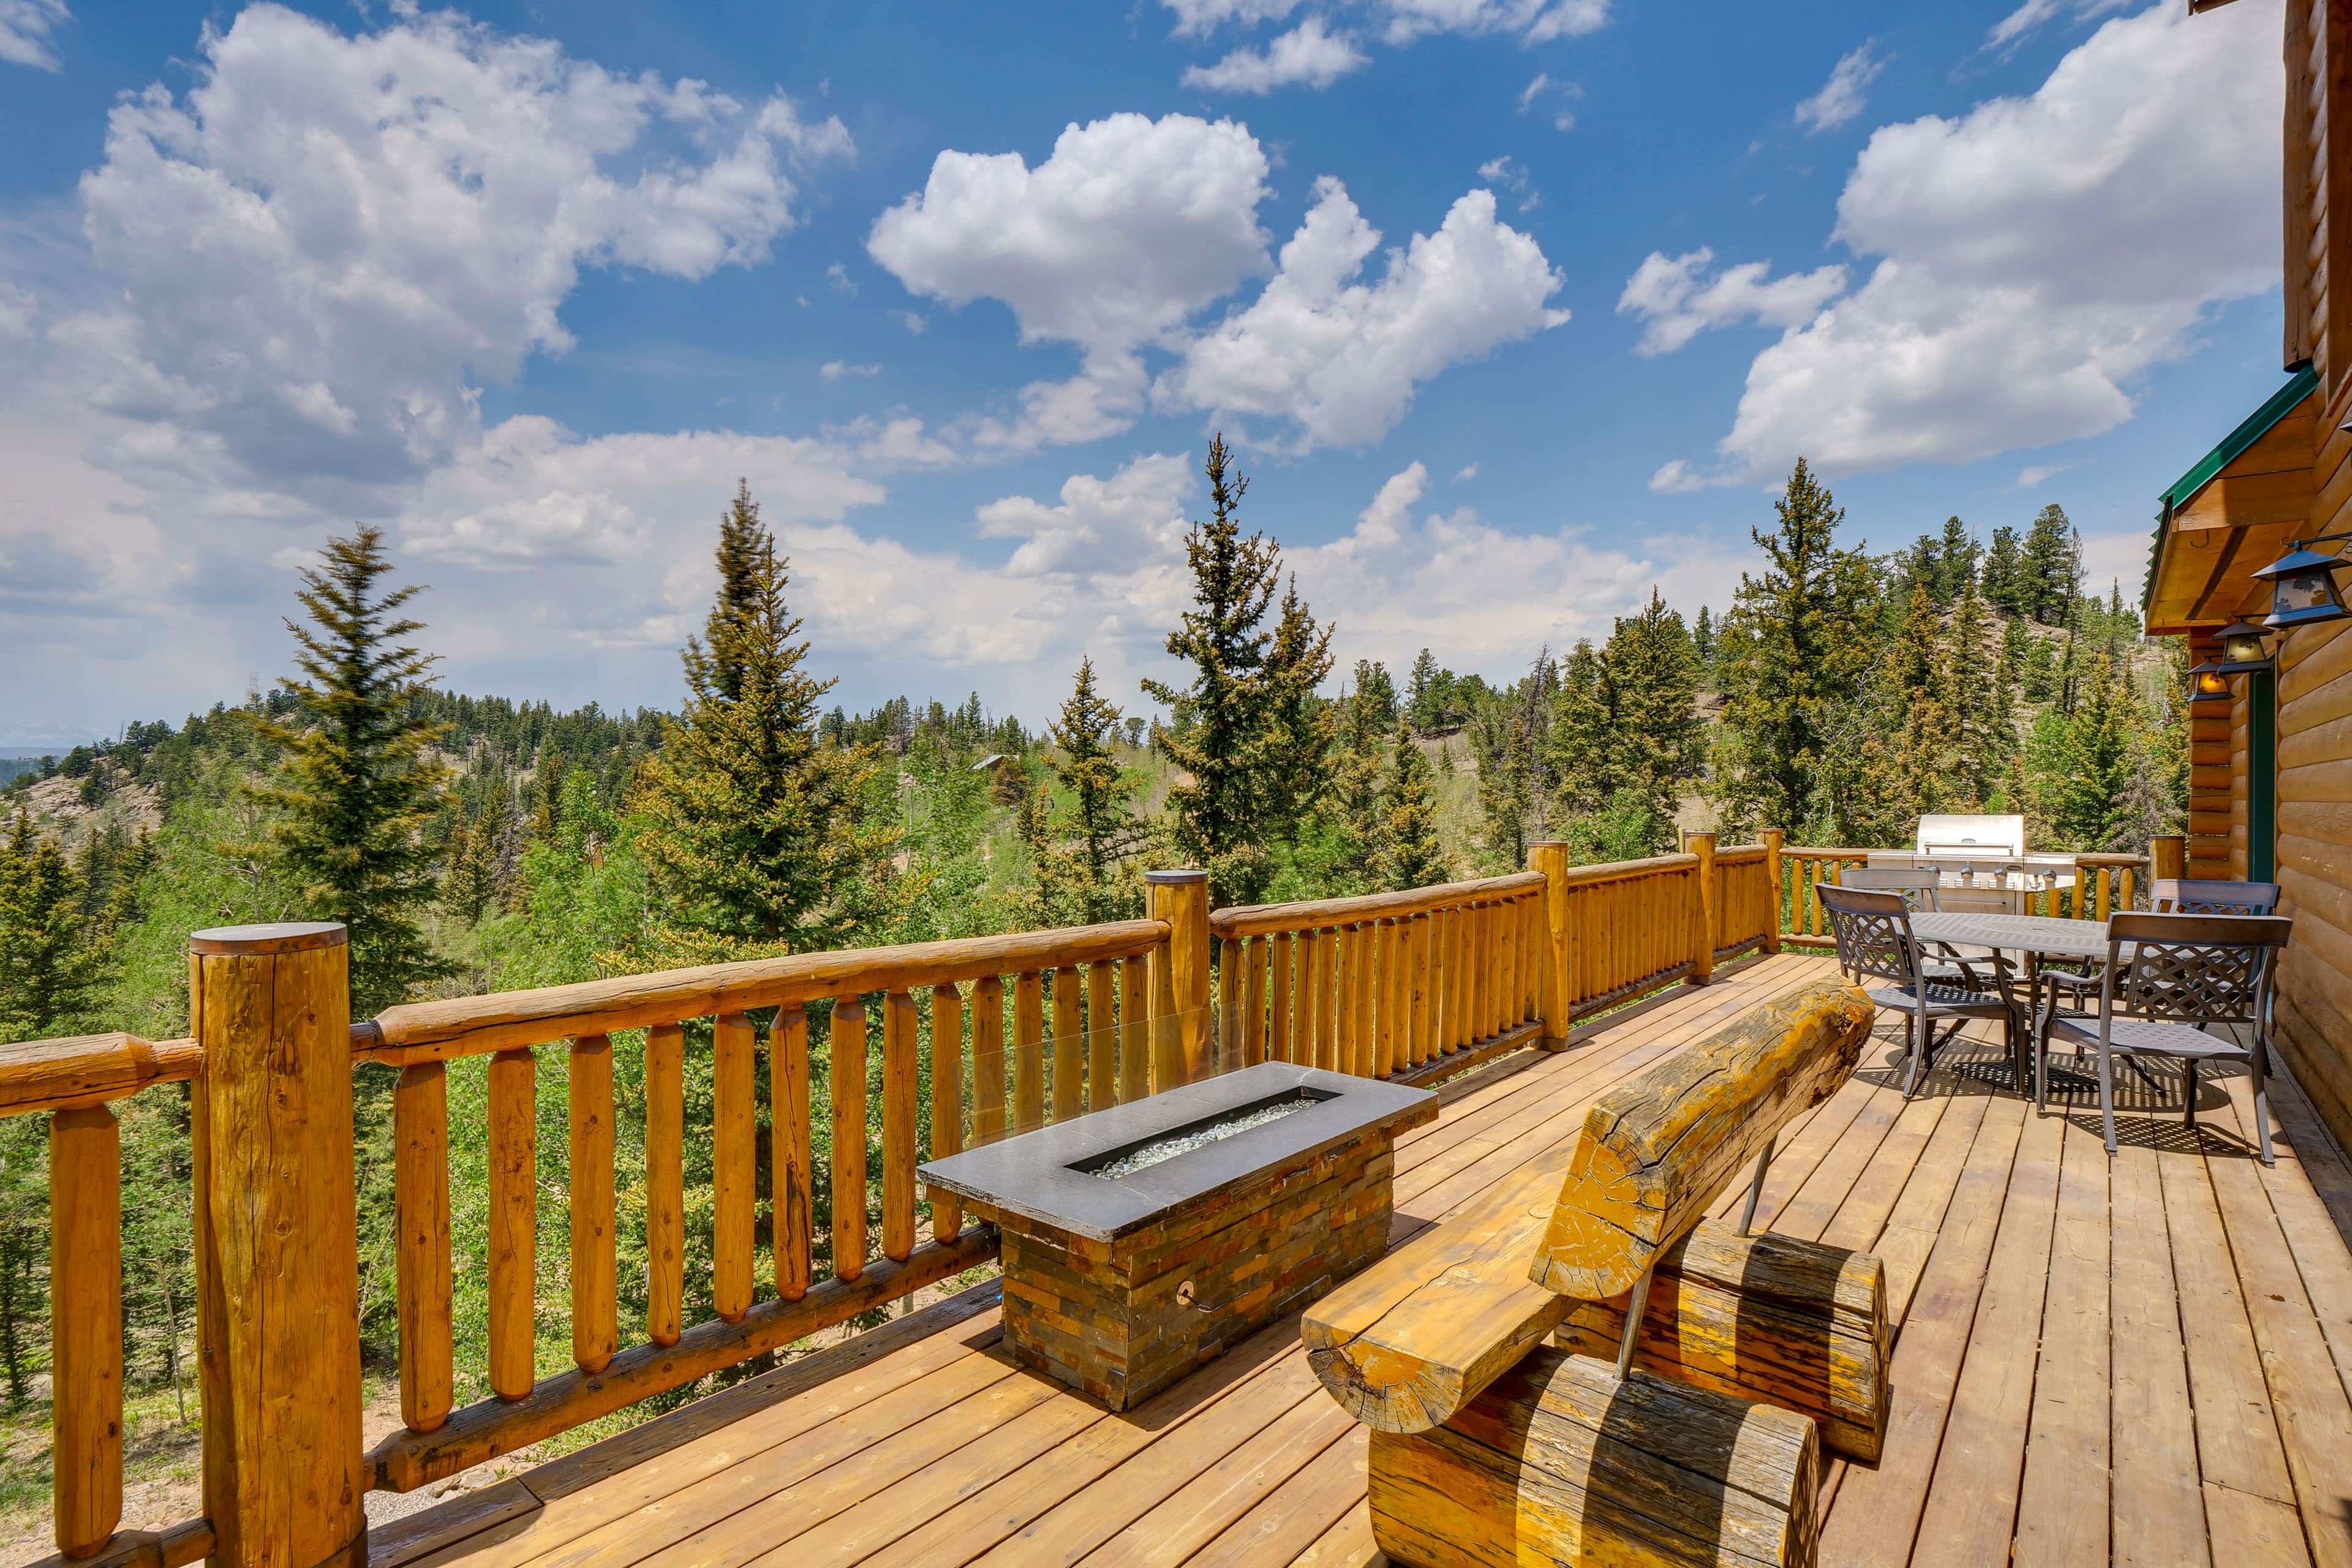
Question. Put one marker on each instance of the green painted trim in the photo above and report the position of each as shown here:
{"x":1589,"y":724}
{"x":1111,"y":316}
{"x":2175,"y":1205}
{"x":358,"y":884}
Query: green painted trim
{"x":2250,"y":429}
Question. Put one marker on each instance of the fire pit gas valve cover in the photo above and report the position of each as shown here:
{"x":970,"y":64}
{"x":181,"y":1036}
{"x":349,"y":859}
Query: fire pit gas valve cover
{"x":1143,"y":1240}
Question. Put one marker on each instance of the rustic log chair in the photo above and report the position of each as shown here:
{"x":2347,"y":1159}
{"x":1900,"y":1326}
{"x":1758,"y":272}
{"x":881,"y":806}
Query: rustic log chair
{"x":1874,"y":938}
{"x":2166,"y":978}
{"x":1489,"y":1448}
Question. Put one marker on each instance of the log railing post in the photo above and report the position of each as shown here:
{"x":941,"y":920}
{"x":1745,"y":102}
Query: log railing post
{"x":1702,"y":911}
{"x":1556,"y":989}
{"x":86,"y":1326}
{"x":1182,"y":898}
{"x":1772,"y":840}
{"x":2167,"y":856}
{"x":277,"y":1245}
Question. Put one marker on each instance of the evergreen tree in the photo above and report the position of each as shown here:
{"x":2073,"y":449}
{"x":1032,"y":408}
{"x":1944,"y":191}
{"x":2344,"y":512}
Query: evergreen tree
{"x":1913,"y":657}
{"x":751,"y":825}
{"x":1410,"y":854}
{"x":1625,"y":720}
{"x":52,"y":950}
{"x":1955,"y":563}
{"x":1095,"y":836}
{"x":1220,"y":816}
{"x":2047,"y":569}
{"x":1969,"y":688}
{"x":1417,"y":689}
{"x":1299,"y":732}
{"x":358,"y":786}
{"x":2002,"y":578}
{"x":1787,"y":658}
{"x":1702,"y":640}
{"x":1584,"y":753}
{"x":1376,"y":698}
{"x":1506,"y":795}
{"x":2093,"y":811}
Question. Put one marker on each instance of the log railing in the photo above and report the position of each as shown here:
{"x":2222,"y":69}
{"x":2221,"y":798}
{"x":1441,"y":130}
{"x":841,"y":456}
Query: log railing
{"x":2098,"y":885}
{"x":1093,"y":1021}
{"x":1382,"y":985}
{"x":1005,"y":1033}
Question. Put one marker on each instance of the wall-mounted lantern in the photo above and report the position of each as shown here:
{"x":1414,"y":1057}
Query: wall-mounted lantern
{"x":2245,"y":649}
{"x":2302,"y":585}
{"x":2207,"y":684}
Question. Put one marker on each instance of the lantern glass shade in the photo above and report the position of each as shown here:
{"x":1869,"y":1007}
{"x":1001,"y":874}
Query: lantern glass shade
{"x":2303,"y":590}
{"x":2243,"y":648}
{"x":2207,"y":684}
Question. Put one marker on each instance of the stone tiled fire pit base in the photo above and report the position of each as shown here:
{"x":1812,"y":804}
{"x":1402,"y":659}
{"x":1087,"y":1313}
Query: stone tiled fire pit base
{"x":1123,"y":1286}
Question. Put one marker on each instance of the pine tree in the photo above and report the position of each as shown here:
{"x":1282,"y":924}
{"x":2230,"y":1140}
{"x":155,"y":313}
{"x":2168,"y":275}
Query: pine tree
{"x":2003,"y":568}
{"x":1969,"y":688}
{"x":1417,"y":693}
{"x":1087,"y":846}
{"x":1221,"y":814}
{"x":1787,"y":658}
{"x":1703,"y":639}
{"x":2047,"y":571}
{"x":1410,"y":854}
{"x":1955,"y":563}
{"x":52,"y":950}
{"x":2092,"y":812}
{"x":1913,"y":657}
{"x":359,"y":785}
{"x":750,"y":824}
{"x":1506,"y":795}
{"x":1661,"y":741}
{"x":1376,"y":698}
{"x":1299,"y":732}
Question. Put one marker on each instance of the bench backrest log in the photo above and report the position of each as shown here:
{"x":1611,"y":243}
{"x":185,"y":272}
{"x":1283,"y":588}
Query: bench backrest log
{"x":1658,"y":1148}
{"x":1414,"y":1339}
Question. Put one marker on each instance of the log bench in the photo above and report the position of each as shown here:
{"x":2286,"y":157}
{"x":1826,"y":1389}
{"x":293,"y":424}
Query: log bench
{"x":1702,"y":1442}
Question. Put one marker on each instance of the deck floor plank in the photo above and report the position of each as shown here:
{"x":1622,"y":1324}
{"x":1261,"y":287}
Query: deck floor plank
{"x":2108,"y":1361}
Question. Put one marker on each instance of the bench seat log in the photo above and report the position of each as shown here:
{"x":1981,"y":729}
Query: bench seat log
{"x":1409,"y":1342}
{"x":1558,"y":1462}
{"x":1656,"y":1148}
{"x":1793,"y":1323}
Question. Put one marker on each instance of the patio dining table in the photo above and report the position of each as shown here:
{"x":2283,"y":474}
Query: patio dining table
{"x":2042,"y":936}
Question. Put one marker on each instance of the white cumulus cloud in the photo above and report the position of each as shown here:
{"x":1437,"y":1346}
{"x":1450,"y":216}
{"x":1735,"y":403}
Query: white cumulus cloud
{"x":26,"y":29}
{"x":326,"y":245}
{"x":1196,"y":18}
{"x":1842,"y":98}
{"x":2034,"y":256}
{"x":1309,"y":54}
{"x":1341,"y":357}
{"x":1133,"y":518}
{"x":1680,"y":301}
{"x":1534,"y":21}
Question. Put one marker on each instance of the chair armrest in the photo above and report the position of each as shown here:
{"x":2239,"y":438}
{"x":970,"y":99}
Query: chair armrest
{"x":1414,"y":1339}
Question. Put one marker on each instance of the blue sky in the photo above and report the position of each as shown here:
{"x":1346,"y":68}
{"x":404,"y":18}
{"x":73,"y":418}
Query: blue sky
{"x":962,"y":291}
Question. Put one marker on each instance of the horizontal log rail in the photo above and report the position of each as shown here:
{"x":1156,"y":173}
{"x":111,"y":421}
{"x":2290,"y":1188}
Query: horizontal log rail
{"x":89,"y":1069}
{"x":2099,"y":884}
{"x":477,"y":1026}
{"x":1267,"y":919}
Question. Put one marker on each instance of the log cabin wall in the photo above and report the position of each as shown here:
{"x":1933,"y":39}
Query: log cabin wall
{"x":2212,"y":773}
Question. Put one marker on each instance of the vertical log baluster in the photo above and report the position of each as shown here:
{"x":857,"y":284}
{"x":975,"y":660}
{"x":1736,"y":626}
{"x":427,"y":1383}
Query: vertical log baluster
{"x":1182,"y":898}
{"x":1281,"y":1044}
{"x":901,"y":1039}
{"x":420,"y":1182}
{"x":1069,"y":1046}
{"x":1367,"y":1054}
{"x":1134,"y":1029}
{"x":1253,"y":1002}
{"x":848,"y":1054}
{"x":793,"y":1174}
{"x":1310,"y":970}
{"x":1102,"y":1039}
{"x":1396,"y":985}
{"x":595,"y":1307}
{"x":1773,"y":923}
{"x":666,"y":1183}
{"x":1329,"y":1000}
{"x":1348,"y":1036}
{"x":734,"y":1165}
{"x":514,"y":1223}
{"x":988,"y":1059}
{"x":1416,"y":1018}
{"x":947,"y":1100}
{"x":1229,"y":1005}
{"x":1506,"y":964}
{"x":1482,"y":986}
{"x":86,"y":1327}
{"x":1029,"y":1052}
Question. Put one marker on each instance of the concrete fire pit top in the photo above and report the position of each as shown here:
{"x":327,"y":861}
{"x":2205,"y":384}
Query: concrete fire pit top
{"x":1042,"y":1175}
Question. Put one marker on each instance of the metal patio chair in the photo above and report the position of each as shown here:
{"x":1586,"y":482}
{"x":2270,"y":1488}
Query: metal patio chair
{"x":1921,"y":885}
{"x":2168,"y":978}
{"x":2184,"y":896}
{"x":1875,"y":939}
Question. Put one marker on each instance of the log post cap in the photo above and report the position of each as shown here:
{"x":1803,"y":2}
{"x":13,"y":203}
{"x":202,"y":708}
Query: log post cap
{"x":281,"y":936}
{"x":1176,"y":878}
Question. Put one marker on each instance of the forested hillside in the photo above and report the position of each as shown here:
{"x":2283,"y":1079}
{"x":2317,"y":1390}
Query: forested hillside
{"x":475,"y":843}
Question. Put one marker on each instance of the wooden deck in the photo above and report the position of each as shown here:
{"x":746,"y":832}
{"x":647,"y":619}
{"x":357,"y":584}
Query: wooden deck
{"x":2140,"y":1363}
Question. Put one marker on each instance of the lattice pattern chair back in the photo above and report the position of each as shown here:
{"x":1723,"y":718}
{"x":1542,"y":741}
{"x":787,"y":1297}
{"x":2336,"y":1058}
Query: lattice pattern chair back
{"x":2196,"y":969}
{"x":1918,"y":886}
{"x":2179,"y":896}
{"x":1873,"y":930}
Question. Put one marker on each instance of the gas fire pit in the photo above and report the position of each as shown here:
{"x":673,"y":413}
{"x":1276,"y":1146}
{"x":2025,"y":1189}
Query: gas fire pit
{"x":1142,"y":1240}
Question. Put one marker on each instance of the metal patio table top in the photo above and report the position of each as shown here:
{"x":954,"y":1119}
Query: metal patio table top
{"x":2050,"y":935}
